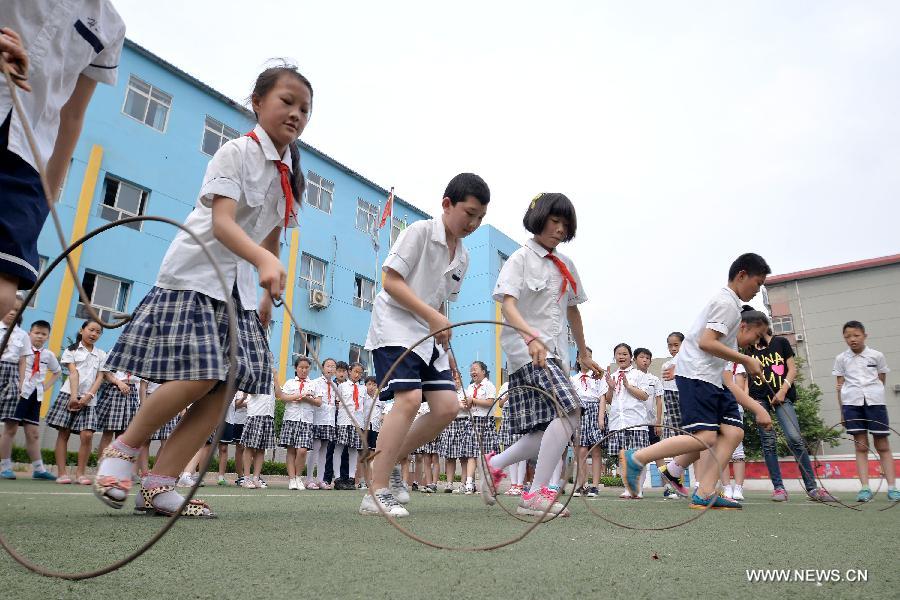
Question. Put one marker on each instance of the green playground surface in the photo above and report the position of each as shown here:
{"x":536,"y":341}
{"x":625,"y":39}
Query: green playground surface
{"x":276,"y":543}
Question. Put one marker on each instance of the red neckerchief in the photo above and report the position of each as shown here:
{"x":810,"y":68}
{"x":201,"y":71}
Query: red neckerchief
{"x":36,"y":367}
{"x":584,"y":381}
{"x":620,"y":379}
{"x":477,"y":387}
{"x":355,"y":396}
{"x":283,"y":171}
{"x":567,"y":277}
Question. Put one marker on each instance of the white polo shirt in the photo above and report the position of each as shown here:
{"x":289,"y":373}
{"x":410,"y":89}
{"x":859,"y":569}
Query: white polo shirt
{"x":860,"y":373}
{"x":327,"y":390}
{"x":64,"y":39}
{"x":238,"y":415}
{"x":345,"y":393}
{"x":626,"y":410}
{"x":535,"y":282}
{"x":482,"y":391}
{"x":670,"y":385}
{"x":243,"y":171}
{"x":422,"y":257}
{"x":260,"y":405}
{"x":655,"y":390}
{"x":87,"y":363}
{"x":589,"y":389}
{"x":19,"y":344}
{"x":377,"y":415}
{"x":721,"y":314}
{"x":299,"y":411}
{"x":34,"y":382}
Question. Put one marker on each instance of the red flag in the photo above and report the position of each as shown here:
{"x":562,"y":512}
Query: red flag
{"x":388,"y":209}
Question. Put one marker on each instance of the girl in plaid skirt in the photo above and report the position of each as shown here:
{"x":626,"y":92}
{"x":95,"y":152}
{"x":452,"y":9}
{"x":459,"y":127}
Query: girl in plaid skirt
{"x":179,"y":333}
{"x":627,"y":396}
{"x":540,"y":291}
{"x":592,"y":391}
{"x":323,"y":426}
{"x":481,"y":395}
{"x":117,"y":403}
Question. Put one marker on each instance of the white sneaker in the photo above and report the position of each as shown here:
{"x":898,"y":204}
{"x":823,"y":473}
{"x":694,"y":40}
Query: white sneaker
{"x":185,"y":481}
{"x":625,"y":494}
{"x":383,"y":497}
{"x":398,"y":487}
{"x":728,"y":491}
{"x":300,"y":486}
{"x":470,"y":489}
{"x":261,"y":484}
{"x":737,"y":492}
{"x":292,"y":483}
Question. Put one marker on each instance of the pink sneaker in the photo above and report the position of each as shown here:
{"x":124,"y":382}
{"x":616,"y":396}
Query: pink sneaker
{"x":312,"y":485}
{"x":541,"y":504}
{"x":490,"y":480}
{"x":326,"y":486}
{"x":779,"y":495}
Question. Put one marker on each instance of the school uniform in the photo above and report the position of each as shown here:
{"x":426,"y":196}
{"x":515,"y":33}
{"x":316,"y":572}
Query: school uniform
{"x":590,"y":392}
{"x":736,"y":370}
{"x":17,"y":348}
{"x":457,"y":439}
{"x":627,"y":411}
{"x":179,"y":331}
{"x":655,"y":390}
{"x":433,"y":446}
{"x":166,"y":430}
{"x":227,"y":436}
{"x":324,"y":415}
{"x":698,"y":374}
{"x":862,"y":395}
{"x":422,"y":257}
{"x":351,"y":396}
{"x":544,"y":284}
{"x":671,"y":407}
{"x":259,"y":431}
{"x":297,"y":423}
{"x":64,"y":40}
{"x":87,"y":363}
{"x":374,"y":407}
{"x":239,"y":419}
{"x":483,"y":430}
{"x":505,"y":437}
{"x":115,"y":409}
{"x":27,"y":410}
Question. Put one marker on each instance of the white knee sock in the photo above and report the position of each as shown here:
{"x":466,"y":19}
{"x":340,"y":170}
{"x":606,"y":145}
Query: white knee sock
{"x":557,"y":473}
{"x":311,"y":457}
{"x":517,"y":473}
{"x":336,"y":460}
{"x":555,"y":439}
{"x":323,"y":457}
{"x":354,"y":458}
{"x":527,"y":447}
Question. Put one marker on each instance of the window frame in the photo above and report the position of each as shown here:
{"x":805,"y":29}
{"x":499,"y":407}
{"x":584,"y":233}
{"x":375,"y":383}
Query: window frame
{"x":358,"y":300}
{"x":42,"y":264}
{"x":107,"y":313}
{"x":314,"y":180}
{"x":223,"y":137}
{"x":145,"y":197}
{"x":311,"y":336}
{"x":363,"y":356}
{"x":307,"y":283}
{"x":372,"y":224}
{"x":399,"y":225}
{"x":779,"y":322}
{"x":149,"y":96}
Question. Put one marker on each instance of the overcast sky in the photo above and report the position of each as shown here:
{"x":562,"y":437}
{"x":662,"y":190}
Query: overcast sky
{"x":685,"y":133}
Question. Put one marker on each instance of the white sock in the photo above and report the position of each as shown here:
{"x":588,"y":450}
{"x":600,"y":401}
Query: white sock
{"x":526,"y":447}
{"x":38,"y":466}
{"x":354,"y":459}
{"x":323,"y":457}
{"x":6,"y":464}
{"x":469,"y":480}
{"x":311,"y":457}
{"x":674,"y":468}
{"x":554,"y":440}
{"x":336,"y":460}
{"x":642,"y":480}
{"x":557,"y":473}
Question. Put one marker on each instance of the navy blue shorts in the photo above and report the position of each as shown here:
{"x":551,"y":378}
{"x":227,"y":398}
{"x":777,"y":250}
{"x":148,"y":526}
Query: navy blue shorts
{"x":237,"y":431}
{"x":372,"y":439}
{"x":28,"y":411}
{"x":868,"y":418}
{"x":651,"y":433}
{"x":227,"y":434}
{"x":412,"y":374}
{"x":23,"y":210}
{"x":705,"y":406}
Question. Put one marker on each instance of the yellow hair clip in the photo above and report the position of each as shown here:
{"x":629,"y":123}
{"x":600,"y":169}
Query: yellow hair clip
{"x":535,"y":199}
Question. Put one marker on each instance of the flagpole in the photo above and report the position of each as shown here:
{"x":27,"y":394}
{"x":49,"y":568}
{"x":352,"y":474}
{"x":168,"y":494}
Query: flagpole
{"x":377,"y":246}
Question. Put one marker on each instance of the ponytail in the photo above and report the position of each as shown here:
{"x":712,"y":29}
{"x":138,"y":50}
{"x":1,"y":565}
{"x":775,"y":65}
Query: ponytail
{"x":751,"y":316}
{"x":298,"y":181}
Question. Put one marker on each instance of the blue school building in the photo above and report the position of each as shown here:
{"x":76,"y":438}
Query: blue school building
{"x":144,"y":150}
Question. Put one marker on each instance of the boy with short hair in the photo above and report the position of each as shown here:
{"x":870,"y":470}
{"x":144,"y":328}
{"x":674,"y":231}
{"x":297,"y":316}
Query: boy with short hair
{"x":423,"y":272}
{"x":860,"y":373}
{"x":27,"y":410}
{"x":642,"y":359}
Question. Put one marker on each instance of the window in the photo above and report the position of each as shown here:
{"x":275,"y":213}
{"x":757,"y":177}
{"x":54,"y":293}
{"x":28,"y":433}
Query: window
{"x":122,"y":200}
{"x":503,"y":258}
{"x":782,"y":325}
{"x":396,"y":227}
{"x":364,"y":295}
{"x":366,"y":216}
{"x":312,"y":272}
{"x":360,"y":355}
{"x":308,"y":346}
{"x":108,"y":296}
{"x":319,"y":191}
{"x":42,"y":264}
{"x":215,"y":134}
{"x":147,"y":104}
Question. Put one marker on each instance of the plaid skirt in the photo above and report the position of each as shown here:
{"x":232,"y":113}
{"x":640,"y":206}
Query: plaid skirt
{"x":348,"y":435}
{"x":296,"y":434}
{"x":458,"y":440}
{"x":115,"y":410}
{"x":324,"y":432}
{"x":59,"y":416}
{"x":166,"y":430}
{"x":530,"y":409}
{"x":672,"y":416}
{"x":505,"y":437}
{"x":182,"y":335}
{"x":259,"y":433}
{"x":9,"y":389}
{"x":627,"y":439}
{"x":487,"y":430}
{"x":590,"y":427}
{"x":738,"y":453}
{"x":432,"y":447}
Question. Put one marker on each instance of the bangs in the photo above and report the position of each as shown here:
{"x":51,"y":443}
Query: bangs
{"x":547,"y":205}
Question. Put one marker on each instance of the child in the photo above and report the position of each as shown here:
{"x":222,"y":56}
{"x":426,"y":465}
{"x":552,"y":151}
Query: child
{"x":27,"y":410}
{"x":297,"y":423}
{"x":482,"y":395}
{"x":68,"y":59}
{"x":74,"y":406}
{"x":671,"y":408}
{"x":251,"y":192}
{"x":422,"y":273}
{"x":259,"y":433}
{"x":591,"y":390}
{"x":323,"y":426}
{"x":642,"y":359}
{"x":374,"y":410}
{"x":12,"y":363}
{"x":709,"y":413}
{"x":735,"y":379}
{"x":117,"y":403}
{"x":336,"y":480}
{"x":428,"y":463}
{"x":226,"y":439}
{"x":350,"y":417}
{"x":627,"y":396}
{"x":860,"y":373}
{"x":456,"y":441}
{"x":540,"y":291}
{"x":507,"y":438}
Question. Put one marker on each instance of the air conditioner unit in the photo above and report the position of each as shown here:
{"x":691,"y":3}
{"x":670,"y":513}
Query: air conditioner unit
{"x":318,"y":298}
{"x":897,"y":388}
{"x":799,"y":337}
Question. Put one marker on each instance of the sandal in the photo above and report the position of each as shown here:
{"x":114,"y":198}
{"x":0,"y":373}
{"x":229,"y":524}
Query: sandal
{"x":65,"y":479}
{"x":104,"y":483}
{"x":140,"y":506}
{"x":195,"y":509}
{"x":85,"y":480}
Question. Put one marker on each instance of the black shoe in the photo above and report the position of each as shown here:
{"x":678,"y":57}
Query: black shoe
{"x":415,"y":486}
{"x":340,"y":484}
